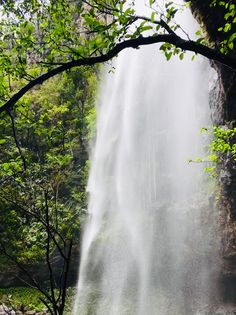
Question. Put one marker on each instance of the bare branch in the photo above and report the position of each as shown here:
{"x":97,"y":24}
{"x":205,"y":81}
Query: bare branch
{"x":16,"y":140}
{"x":48,"y":247}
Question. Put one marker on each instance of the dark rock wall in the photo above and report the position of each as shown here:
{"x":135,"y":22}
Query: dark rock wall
{"x":223,"y":105}
{"x":211,"y":19}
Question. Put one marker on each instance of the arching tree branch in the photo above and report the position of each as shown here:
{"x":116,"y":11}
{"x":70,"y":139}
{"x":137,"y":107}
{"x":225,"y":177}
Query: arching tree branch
{"x":186,"y":45}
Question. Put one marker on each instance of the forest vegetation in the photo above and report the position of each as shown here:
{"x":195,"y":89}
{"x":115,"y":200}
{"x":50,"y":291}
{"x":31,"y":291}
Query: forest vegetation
{"x":50,"y":53}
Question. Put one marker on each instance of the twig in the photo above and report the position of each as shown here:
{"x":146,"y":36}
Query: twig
{"x":16,"y":140}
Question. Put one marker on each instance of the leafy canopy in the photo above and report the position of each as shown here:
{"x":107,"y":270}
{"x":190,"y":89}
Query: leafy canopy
{"x":44,"y":176}
{"x":39,"y":36}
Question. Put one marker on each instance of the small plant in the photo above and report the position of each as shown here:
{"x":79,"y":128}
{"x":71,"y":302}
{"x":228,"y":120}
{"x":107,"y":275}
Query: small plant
{"x":222,"y":149}
{"x":25,"y":299}
{"x":21,"y":298}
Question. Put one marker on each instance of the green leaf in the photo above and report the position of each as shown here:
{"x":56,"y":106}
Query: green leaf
{"x":146,"y":28}
{"x":231,"y":45}
{"x":227,"y":27}
{"x":153,"y":16}
{"x":181,"y":56}
{"x":168,"y":55}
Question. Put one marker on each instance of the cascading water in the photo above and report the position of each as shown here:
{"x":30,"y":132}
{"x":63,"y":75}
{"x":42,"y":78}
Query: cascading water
{"x":146,"y":248}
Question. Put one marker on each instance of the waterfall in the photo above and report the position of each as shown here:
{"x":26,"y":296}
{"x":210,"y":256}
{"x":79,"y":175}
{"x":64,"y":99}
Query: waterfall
{"x":148,"y":247}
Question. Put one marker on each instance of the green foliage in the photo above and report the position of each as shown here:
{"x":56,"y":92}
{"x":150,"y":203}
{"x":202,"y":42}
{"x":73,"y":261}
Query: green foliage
{"x":21,"y":297}
{"x":29,"y":299}
{"x":71,"y":292}
{"x":222,"y":149}
{"x":37,"y":35}
{"x":228,"y":29}
{"x":43,"y":175}
{"x":50,"y":170}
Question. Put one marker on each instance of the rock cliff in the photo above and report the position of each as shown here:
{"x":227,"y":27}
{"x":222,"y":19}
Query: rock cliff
{"x":223,"y":103}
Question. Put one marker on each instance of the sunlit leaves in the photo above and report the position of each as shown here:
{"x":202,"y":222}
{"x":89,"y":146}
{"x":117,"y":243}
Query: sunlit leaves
{"x":228,"y":28}
{"x":222,"y":149}
{"x":52,"y":129}
{"x":170,"y":50}
{"x":38,"y":35}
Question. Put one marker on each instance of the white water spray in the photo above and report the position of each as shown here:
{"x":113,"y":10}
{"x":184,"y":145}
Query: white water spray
{"x":145,"y":248}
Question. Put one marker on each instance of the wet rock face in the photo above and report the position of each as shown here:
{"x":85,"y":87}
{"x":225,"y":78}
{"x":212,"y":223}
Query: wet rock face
{"x":211,"y":18}
{"x":223,"y":104}
{"x":227,"y":180}
{"x":227,"y":95}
